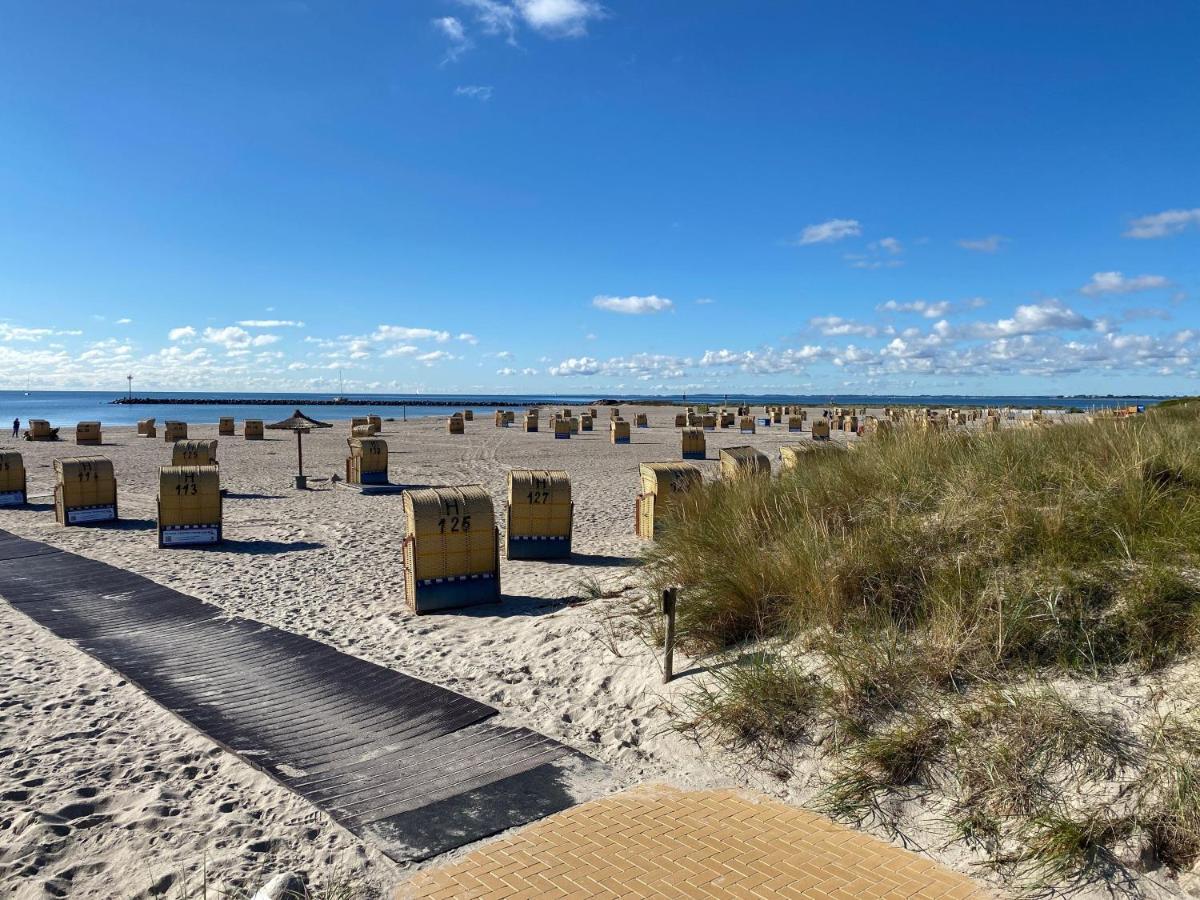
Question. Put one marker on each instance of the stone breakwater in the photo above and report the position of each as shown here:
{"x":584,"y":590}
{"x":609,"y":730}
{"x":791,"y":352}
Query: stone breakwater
{"x":297,"y":402}
{"x":368,"y":401}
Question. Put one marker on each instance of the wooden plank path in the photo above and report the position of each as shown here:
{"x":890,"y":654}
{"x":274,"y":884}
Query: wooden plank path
{"x":410,"y":766}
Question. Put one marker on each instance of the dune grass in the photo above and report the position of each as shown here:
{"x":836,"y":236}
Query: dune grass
{"x":909,"y":603}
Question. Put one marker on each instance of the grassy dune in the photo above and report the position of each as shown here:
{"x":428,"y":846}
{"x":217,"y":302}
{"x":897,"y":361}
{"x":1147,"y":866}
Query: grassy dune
{"x":944,"y":616}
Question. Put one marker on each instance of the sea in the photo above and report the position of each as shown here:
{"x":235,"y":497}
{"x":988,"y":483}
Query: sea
{"x":62,"y":408}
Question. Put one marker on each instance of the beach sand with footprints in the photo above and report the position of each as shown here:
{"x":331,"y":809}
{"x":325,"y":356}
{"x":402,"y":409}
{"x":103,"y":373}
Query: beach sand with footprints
{"x":103,"y":787}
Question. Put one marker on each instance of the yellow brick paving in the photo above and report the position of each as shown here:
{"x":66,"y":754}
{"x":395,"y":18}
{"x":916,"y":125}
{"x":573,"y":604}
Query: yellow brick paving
{"x":657,"y":841}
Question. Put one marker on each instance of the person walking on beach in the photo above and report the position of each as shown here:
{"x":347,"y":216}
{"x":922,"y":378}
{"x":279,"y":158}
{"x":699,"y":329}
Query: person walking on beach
{"x":16,"y":426}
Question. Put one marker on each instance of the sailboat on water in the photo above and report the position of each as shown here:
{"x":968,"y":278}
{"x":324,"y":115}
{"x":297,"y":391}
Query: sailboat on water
{"x":341,"y":397}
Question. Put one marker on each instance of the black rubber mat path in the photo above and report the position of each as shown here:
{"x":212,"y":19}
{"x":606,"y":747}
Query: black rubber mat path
{"x":413,"y":767}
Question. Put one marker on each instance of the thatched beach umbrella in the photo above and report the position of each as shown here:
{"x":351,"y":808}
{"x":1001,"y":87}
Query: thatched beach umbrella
{"x":302,"y":425}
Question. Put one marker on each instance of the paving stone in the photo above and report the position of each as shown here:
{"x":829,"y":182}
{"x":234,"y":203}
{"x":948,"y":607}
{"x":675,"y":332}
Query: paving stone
{"x":657,"y":841}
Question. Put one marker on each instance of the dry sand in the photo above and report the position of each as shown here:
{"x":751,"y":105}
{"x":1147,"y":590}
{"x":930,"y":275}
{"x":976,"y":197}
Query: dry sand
{"x":162,"y":800}
{"x":103,"y":793}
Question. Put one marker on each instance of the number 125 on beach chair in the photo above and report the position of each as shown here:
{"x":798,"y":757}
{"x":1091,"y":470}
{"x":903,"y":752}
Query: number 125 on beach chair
{"x":451,"y":549}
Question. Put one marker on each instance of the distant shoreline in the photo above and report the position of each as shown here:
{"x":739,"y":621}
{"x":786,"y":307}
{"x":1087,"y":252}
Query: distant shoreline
{"x":297,"y":401}
{"x":528,"y":402}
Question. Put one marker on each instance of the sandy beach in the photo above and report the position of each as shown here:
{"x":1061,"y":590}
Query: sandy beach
{"x":107,"y":794}
{"x":106,"y":785}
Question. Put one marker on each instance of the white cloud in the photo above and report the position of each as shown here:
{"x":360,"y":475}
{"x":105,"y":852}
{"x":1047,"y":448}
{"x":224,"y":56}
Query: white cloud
{"x":386,"y":340}
{"x":469,"y":338}
{"x":705,"y":301}
{"x":765,"y":362}
{"x":1033,"y":318}
{"x":639,"y":365}
{"x":836,"y":325}
{"x":632,"y":306}
{"x":928,"y":309}
{"x":989,"y":244}
{"x":549,"y":18}
{"x":110,"y":350}
{"x":233,"y":338}
{"x":124,"y":320}
{"x":506,"y":372}
{"x":859,"y":261}
{"x":230,"y":337}
{"x":721,"y":358}
{"x":16,"y":333}
{"x":435,"y":356}
{"x":888,"y":244}
{"x":451,"y":27}
{"x":827,"y":232}
{"x":270,"y":323}
{"x":401,"y":333}
{"x":183,"y":333}
{"x":583,"y":365}
{"x":1116,"y":283}
{"x":529,"y":371}
{"x":1162,"y":224}
{"x":399,"y":350}
{"x":494,"y":17}
{"x":178,"y":354}
{"x":480,"y":92}
{"x":559,"y":18}
{"x":453,"y":30}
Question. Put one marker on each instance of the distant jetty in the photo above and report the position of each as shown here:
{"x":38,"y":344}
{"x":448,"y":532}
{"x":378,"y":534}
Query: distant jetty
{"x":347,"y":401}
{"x":294,"y":402}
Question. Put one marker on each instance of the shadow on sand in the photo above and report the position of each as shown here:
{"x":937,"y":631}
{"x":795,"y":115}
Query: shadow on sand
{"x":515,"y":605}
{"x":701,"y":667}
{"x":124,"y":524}
{"x":261,"y":548}
{"x":597,"y":559}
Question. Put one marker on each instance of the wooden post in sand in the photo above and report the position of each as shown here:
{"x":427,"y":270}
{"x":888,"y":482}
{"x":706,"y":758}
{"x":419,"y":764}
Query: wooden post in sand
{"x":669,"y":596}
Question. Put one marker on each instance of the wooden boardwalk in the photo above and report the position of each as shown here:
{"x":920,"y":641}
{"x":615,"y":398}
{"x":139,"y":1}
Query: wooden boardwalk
{"x":413,"y":767}
{"x":655,"y":841}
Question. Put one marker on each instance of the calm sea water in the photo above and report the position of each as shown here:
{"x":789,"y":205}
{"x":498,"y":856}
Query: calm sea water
{"x":62,"y":408}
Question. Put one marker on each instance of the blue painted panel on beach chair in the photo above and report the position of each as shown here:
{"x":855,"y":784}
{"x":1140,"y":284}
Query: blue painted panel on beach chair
{"x":437,"y":594}
{"x":538,"y":547}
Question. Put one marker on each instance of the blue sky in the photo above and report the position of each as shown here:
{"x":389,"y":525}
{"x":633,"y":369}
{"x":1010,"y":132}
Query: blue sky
{"x":573,"y":196}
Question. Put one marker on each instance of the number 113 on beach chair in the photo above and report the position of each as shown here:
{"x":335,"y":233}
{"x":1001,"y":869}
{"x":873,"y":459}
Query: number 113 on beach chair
{"x":451,"y":549}
{"x":189,"y":505}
